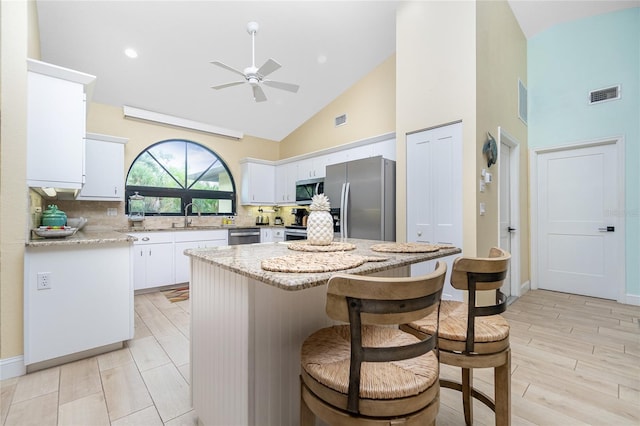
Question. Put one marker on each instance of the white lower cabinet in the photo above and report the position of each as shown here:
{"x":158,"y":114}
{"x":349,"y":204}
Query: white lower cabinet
{"x":88,"y":303}
{"x":277,"y":235}
{"x":271,"y":235}
{"x":266,"y":235}
{"x":153,"y":260}
{"x":159,"y":259}
{"x":184,"y":240}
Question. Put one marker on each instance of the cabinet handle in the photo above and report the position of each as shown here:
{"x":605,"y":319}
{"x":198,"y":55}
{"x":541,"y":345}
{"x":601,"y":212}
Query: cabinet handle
{"x":115,"y":190}
{"x":145,"y":238}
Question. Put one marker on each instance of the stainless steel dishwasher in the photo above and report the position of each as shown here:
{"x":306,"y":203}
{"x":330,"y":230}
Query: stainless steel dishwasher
{"x":244,"y":236}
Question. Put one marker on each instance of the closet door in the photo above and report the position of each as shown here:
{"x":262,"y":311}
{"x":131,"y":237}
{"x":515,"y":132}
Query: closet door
{"x":434,"y":192}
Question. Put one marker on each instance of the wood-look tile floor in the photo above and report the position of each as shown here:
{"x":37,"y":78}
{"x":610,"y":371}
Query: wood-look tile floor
{"x":575,"y":361}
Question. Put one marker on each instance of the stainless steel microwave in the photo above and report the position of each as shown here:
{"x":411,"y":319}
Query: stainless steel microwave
{"x":305,"y":189}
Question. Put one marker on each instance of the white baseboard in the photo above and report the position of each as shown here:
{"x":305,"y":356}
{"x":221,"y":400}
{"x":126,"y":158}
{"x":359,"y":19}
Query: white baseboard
{"x":632,"y":299}
{"x":525,"y":287}
{"x":12,"y":367}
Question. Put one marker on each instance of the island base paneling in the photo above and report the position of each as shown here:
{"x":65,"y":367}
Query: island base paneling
{"x":246,"y":340}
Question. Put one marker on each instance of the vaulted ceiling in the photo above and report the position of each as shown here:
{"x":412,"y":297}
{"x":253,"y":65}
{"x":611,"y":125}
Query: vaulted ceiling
{"x":323,"y":46}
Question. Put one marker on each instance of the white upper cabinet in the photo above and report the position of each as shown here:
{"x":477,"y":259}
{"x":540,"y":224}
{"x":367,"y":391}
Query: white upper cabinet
{"x":56,"y":123}
{"x":286,"y":175}
{"x":258,"y":180}
{"x":104,"y":164}
{"x":312,"y":168}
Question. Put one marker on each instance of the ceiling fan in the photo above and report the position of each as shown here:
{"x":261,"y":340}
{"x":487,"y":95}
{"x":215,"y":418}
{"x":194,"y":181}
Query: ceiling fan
{"x":256,"y":76}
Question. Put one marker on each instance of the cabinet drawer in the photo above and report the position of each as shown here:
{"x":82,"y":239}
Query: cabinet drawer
{"x":152,"y":237}
{"x":182,"y":236}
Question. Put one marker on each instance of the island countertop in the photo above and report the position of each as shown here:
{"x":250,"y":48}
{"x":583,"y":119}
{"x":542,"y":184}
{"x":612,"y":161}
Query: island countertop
{"x":246,"y":260}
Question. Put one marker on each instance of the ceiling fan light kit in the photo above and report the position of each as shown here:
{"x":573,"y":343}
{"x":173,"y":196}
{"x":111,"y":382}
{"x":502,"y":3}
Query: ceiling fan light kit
{"x":256,"y":76}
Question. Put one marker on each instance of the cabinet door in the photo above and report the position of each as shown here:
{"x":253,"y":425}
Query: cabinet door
{"x":286,"y":176}
{"x":266,"y":235}
{"x":182,"y":261}
{"x":278,"y":235}
{"x":159,"y":267}
{"x":104,"y":171}
{"x":139,"y":267}
{"x":258,"y":183}
{"x":56,"y":117}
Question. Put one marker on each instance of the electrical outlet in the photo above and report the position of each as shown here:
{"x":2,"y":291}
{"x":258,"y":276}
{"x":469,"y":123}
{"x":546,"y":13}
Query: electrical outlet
{"x":44,"y":280}
{"x":112,"y":212}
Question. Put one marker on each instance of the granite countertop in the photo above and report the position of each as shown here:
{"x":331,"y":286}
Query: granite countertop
{"x":246,"y":260}
{"x":135,"y":229}
{"x":81,"y":237}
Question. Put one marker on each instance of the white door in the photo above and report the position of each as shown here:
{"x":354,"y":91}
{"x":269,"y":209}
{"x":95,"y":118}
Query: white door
{"x":434,"y":192}
{"x":505,"y":208}
{"x":577,"y":247}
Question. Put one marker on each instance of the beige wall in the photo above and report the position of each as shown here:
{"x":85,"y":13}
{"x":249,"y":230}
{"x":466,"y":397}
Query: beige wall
{"x":109,"y":120}
{"x":435,"y":70}
{"x":370,"y":108}
{"x":18,"y":38}
{"x":501,"y":51}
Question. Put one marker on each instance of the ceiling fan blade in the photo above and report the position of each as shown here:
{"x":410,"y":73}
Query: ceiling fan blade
{"x":227,"y":67}
{"x":268,"y":67}
{"x":258,"y":94}
{"x":222,"y":86}
{"x":280,"y":85}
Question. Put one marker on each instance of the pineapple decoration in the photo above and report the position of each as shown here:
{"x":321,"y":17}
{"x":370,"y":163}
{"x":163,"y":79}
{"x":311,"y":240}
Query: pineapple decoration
{"x":320,"y":222}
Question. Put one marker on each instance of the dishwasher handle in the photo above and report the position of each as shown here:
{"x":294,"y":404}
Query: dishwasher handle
{"x":244,"y":234}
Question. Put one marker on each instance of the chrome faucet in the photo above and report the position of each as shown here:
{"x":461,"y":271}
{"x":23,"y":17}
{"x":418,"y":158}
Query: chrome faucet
{"x":187,"y":222}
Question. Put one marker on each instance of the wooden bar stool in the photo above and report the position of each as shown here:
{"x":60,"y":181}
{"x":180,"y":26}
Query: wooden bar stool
{"x":369,"y":372}
{"x":471,"y":336}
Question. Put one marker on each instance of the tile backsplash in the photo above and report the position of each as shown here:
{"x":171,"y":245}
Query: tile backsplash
{"x":99,"y":217}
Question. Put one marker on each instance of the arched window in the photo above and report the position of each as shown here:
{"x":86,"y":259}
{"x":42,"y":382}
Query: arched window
{"x":174,"y":173}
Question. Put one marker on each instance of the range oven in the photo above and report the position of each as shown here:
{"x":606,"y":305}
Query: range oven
{"x":294,"y":232}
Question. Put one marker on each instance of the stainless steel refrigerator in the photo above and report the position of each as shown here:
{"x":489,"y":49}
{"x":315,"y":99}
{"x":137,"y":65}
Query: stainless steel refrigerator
{"x":362,"y":194}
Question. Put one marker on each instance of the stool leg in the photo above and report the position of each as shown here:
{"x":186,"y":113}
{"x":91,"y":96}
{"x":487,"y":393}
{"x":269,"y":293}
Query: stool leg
{"x":467,"y":399}
{"x":502,"y":384}
{"x":307,"y":417}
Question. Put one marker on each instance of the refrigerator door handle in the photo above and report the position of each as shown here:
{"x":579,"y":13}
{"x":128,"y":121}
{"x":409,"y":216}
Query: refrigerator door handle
{"x":346,"y":213}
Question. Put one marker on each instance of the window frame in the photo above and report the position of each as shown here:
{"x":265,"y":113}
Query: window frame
{"x":185,"y":194}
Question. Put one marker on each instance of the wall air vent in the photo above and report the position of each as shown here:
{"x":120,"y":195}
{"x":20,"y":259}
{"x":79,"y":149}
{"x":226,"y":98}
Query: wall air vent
{"x":603,"y":95}
{"x":341,"y":120}
{"x":522,"y":101}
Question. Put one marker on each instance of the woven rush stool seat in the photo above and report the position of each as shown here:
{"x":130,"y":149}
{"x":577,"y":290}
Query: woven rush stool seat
{"x":471,"y":336}
{"x":326,"y":356}
{"x":492,"y":329}
{"x":369,"y":372}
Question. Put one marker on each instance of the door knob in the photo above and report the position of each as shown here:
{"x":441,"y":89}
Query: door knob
{"x":419,"y":233}
{"x":607,"y":229}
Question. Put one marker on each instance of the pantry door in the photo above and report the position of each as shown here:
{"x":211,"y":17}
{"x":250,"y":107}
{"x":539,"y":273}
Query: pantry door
{"x":579,"y":247}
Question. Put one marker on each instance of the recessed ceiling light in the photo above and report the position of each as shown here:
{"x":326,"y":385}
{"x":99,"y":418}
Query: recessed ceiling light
{"x":131,"y":53}
{"x":322,"y":59}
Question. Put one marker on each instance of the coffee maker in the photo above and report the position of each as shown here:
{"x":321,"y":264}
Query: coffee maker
{"x":300,"y":217}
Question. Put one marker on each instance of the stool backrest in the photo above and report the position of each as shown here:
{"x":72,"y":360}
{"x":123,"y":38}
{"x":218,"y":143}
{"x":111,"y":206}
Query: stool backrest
{"x":480,"y":274}
{"x":497,"y":262}
{"x":361,"y":300}
{"x":385,"y":291}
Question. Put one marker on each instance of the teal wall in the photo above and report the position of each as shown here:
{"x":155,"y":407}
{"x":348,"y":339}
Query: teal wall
{"x":565,"y":63}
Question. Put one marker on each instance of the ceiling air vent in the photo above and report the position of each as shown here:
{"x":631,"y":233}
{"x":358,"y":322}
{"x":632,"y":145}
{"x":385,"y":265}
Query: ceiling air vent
{"x":602,"y":95}
{"x":341,"y":119}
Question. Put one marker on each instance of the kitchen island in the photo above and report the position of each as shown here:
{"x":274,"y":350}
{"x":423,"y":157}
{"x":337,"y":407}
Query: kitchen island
{"x":248,"y":325}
